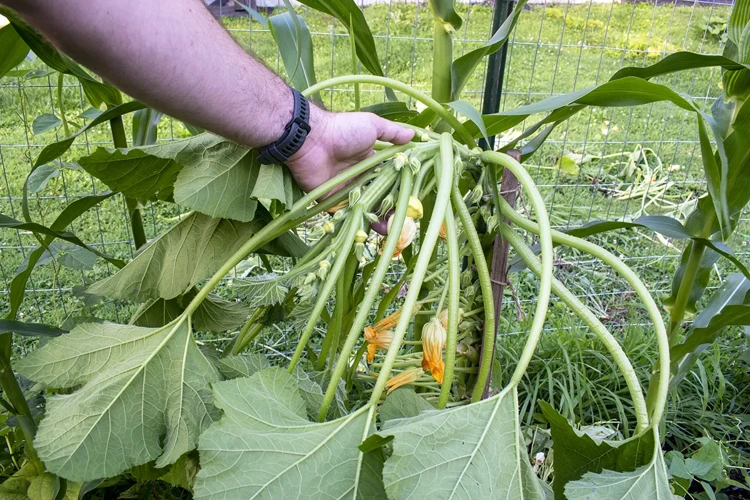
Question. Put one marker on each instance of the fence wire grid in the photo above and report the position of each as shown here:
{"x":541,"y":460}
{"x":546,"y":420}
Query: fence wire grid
{"x":605,"y":163}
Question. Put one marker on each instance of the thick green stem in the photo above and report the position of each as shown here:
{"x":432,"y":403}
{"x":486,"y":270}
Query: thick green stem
{"x":420,"y":269}
{"x":442,"y":59}
{"x":485,"y":284}
{"x":677,"y":314}
{"x":401,"y":87}
{"x":601,"y":331}
{"x":136,"y":220}
{"x":545,"y":282}
{"x":454,"y":298}
{"x":657,"y":407}
{"x":378,"y":276}
{"x":334,"y":327}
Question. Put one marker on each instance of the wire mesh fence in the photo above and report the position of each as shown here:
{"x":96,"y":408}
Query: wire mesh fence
{"x":605,"y":163}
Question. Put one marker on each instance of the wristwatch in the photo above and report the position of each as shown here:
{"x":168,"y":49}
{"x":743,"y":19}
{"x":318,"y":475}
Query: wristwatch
{"x":294,"y":135}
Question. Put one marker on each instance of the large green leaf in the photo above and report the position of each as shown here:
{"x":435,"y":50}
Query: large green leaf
{"x":265,"y":447}
{"x":577,"y":453}
{"x":189,"y":252}
{"x":350,"y":15}
{"x":728,"y":306}
{"x":13,"y":49}
{"x":295,"y":45}
{"x":226,"y":180}
{"x":214,"y":314}
{"x":403,"y":403}
{"x":242,"y":366}
{"x":738,"y":19}
{"x":470,"y":452}
{"x":396,"y":111}
{"x":463,"y":67}
{"x":262,"y":290}
{"x":648,"y":482}
{"x":148,"y":171}
{"x":144,"y":395}
{"x":56,"y":149}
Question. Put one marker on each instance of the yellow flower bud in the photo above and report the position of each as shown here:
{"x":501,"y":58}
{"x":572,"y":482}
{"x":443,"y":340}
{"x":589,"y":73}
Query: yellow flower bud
{"x":377,"y":339}
{"x":329,"y":226}
{"x":433,"y":341}
{"x":415,"y":210}
{"x":360,"y":237}
{"x":408,"y":232}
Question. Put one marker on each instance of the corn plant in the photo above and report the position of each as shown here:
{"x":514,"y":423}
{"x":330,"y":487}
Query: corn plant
{"x":336,"y":420}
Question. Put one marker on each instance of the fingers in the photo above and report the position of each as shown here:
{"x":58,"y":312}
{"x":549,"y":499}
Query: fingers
{"x":391,"y":132}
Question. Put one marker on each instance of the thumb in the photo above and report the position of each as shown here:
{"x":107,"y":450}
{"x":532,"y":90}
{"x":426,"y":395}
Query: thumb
{"x":391,"y":132}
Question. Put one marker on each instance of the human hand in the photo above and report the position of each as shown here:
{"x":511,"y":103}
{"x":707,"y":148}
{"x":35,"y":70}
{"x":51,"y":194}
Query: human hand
{"x":339,"y":140}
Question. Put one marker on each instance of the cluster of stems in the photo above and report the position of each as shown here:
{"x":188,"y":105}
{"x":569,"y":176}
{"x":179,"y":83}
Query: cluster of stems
{"x":430,"y":167}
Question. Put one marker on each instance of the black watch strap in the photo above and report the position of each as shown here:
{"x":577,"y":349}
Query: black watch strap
{"x":293,"y":137}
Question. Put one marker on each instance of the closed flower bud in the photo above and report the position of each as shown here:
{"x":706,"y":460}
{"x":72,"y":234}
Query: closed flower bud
{"x":408,"y":232}
{"x":424,"y":137}
{"x":387,"y":204}
{"x":469,"y":351}
{"x":466,"y":279}
{"x":399,"y":160}
{"x":433,"y":341}
{"x":407,"y":376}
{"x":492,"y":223}
{"x":443,"y":234}
{"x":371,"y":218}
{"x":354,"y":196}
{"x":415,"y":165}
{"x":360,"y":236}
{"x":443,"y":316}
{"x":377,"y":339}
{"x":476,"y":195}
{"x":339,"y":206}
{"x":339,"y":215}
{"x":329,"y":226}
{"x":323,"y":268}
{"x":310,"y":278}
{"x":415,"y":210}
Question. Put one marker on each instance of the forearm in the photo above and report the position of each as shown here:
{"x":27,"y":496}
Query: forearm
{"x":171,"y":55}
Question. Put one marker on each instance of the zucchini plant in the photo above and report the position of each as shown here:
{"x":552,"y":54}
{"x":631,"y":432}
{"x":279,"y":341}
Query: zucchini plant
{"x":335,"y":420}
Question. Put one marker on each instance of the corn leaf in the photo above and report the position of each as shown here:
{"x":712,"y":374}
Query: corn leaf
{"x":137,"y":386}
{"x":446,"y":12}
{"x":96,"y":92}
{"x":463,"y":67}
{"x":350,"y":15}
{"x":56,"y":149}
{"x":145,"y":126}
{"x":474,"y":451}
{"x":296,"y":48}
{"x":30,"y":329}
{"x":728,"y":306}
{"x":13,"y":49}
{"x":265,"y":447}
